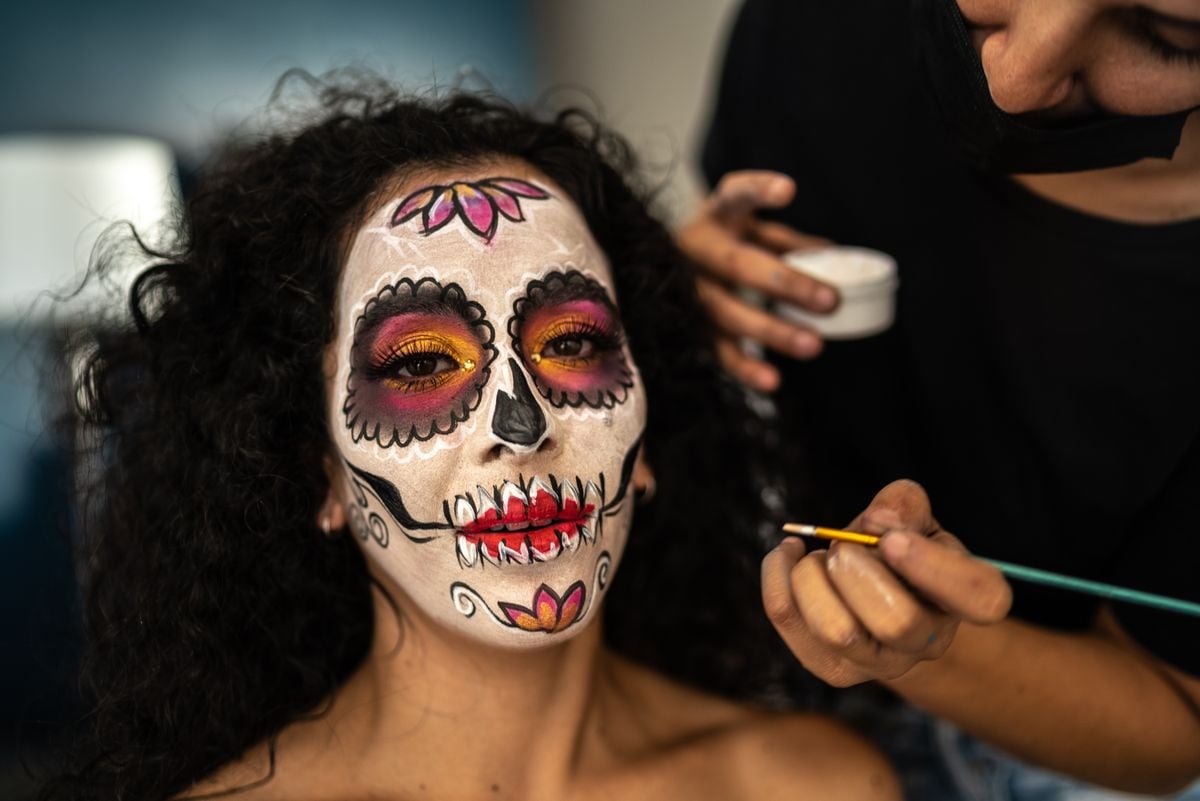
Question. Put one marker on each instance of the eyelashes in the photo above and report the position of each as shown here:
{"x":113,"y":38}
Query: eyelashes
{"x":575,"y":342}
{"x":419,"y":363}
{"x":1142,"y":26}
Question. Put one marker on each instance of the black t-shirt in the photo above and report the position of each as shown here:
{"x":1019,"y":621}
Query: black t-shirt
{"x":1042,"y":380}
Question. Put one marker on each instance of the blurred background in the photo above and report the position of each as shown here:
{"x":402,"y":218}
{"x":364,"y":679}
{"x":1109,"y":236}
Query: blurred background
{"x":106,"y":113}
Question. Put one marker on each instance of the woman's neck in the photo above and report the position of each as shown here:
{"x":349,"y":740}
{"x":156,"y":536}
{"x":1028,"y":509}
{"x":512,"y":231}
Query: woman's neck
{"x":1151,"y":191}
{"x":433,"y":711}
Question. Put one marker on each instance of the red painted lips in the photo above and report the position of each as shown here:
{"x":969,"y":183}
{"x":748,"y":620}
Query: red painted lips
{"x":522,"y":523}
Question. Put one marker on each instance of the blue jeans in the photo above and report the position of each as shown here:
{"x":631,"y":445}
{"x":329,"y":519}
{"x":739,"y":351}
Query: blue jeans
{"x":938,"y":762}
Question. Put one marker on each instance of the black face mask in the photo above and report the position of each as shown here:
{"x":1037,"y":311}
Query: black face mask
{"x":996,"y":141}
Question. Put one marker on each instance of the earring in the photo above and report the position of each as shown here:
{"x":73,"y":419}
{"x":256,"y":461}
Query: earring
{"x":645,"y":492}
{"x":326,"y":524}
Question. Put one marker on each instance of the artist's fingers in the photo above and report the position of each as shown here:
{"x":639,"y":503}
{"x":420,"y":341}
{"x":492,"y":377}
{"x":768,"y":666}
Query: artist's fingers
{"x":941,"y":570}
{"x":754,"y":373}
{"x":722,"y":252}
{"x":901,"y":505}
{"x":880,"y":601}
{"x":845,"y":653}
{"x":739,"y":319}
{"x":820,"y":605}
{"x":780,"y":238}
{"x":743,"y":191}
{"x":779,"y":602}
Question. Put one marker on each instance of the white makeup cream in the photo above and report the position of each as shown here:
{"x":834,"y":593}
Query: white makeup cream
{"x":865,"y":279}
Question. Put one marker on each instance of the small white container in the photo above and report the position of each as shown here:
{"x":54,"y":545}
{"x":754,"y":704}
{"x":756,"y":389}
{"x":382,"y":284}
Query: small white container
{"x":865,"y":279}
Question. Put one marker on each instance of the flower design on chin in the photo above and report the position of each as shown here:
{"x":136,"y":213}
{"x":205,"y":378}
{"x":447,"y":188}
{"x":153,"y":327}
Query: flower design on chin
{"x":480,"y":204}
{"x":550,"y":613}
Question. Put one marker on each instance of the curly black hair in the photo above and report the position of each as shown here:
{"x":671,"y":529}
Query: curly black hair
{"x":216,"y":611}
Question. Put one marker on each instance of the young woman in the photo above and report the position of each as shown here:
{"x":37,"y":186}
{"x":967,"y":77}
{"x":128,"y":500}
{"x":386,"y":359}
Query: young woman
{"x":420,"y":388}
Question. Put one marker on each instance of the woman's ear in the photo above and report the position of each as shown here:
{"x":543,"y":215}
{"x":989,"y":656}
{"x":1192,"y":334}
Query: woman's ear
{"x":331,"y":517}
{"x":644,"y":485}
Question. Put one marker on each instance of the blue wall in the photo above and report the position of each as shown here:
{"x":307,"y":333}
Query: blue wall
{"x":184,"y":71}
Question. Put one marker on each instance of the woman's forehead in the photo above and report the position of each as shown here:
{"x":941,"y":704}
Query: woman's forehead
{"x":490,"y":229}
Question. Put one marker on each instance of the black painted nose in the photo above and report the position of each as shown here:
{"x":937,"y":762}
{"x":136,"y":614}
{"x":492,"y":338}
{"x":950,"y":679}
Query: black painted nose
{"x":518,"y":418}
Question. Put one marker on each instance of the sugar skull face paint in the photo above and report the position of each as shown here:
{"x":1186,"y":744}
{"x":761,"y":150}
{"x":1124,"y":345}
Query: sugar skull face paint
{"x":487,"y":475}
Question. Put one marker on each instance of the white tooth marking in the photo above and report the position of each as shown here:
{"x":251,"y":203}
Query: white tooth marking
{"x":570,"y":539}
{"x":554,"y":549}
{"x":508,"y":491}
{"x":569,"y":494}
{"x":486,"y":502}
{"x":536,"y":485}
{"x":486,"y":554}
{"x":467,"y":551}
{"x":520,"y":556}
{"x":464,"y":512}
{"x":585,"y":533}
{"x":591,"y":494}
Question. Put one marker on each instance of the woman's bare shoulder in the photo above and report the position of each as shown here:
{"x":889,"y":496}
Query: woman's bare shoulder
{"x":757,"y":753}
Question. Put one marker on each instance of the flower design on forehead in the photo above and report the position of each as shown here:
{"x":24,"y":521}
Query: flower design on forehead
{"x":480,"y":204}
{"x":419,"y":360}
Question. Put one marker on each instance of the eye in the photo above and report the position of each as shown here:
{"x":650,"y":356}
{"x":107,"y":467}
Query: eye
{"x":1172,"y":40}
{"x":574,"y":342}
{"x":572,"y":346}
{"x":419,"y":364}
{"x":423,"y":365}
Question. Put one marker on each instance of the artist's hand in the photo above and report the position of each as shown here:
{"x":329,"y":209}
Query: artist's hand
{"x":856,"y":613}
{"x":735,"y":249}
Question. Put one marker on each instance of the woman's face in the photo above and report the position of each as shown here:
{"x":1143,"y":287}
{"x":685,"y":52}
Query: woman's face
{"x":1065,"y":58}
{"x":485,"y":407}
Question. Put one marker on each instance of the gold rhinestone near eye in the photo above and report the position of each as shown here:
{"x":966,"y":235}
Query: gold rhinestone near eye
{"x":536,"y":358}
{"x":468,"y":364}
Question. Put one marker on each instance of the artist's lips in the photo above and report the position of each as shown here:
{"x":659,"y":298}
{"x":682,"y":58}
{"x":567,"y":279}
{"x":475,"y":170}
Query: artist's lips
{"x":520,"y":523}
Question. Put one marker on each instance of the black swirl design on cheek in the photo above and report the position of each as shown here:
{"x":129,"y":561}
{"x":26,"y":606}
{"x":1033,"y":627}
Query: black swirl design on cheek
{"x":382,"y":407}
{"x":572,"y":304}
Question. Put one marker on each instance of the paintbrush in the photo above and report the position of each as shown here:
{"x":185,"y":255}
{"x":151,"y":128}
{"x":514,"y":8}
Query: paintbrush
{"x":1023,"y":573}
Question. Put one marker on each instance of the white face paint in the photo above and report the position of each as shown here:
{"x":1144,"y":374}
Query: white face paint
{"x":486,"y":407}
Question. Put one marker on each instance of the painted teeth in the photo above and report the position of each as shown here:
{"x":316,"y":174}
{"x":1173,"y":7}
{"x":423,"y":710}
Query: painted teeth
{"x":509,"y":491}
{"x":467,"y":551}
{"x":486,"y":503}
{"x":591,"y":496}
{"x":520,"y":555}
{"x":570,"y":498}
{"x":543,"y":503}
{"x":586,"y":534}
{"x":570,"y":539}
{"x":486,"y":554}
{"x":464,"y":512}
{"x":553,"y":550}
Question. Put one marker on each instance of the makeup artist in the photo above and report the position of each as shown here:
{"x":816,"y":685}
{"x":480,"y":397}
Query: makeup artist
{"x":1034,"y":167}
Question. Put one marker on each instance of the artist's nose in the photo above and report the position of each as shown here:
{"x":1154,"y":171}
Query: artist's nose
{"x":519,"y":426}
{"x":1031,"y":63}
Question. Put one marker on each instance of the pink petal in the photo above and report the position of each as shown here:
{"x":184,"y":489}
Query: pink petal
{"x":519,"y":615}
{"x":441,"y":212}
{"x":572,"y":603}
{"x":516,"y":186}
{"x":506,"y":203}
{"x":477,"y":210}
{"x":413,"y":204}
{"x":545,"y":596}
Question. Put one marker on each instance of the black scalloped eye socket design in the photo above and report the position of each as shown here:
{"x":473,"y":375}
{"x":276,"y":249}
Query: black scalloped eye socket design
{"x":370,"y":407}
{"x":614,"y":377}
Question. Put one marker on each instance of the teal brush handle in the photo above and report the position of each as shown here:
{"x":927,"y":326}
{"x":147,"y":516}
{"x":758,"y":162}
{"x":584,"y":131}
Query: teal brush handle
{"x":1095,"y":588}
